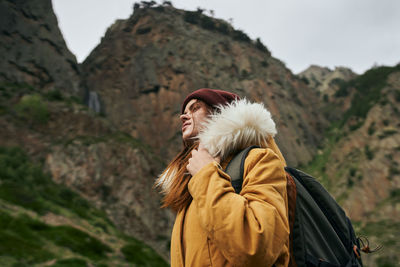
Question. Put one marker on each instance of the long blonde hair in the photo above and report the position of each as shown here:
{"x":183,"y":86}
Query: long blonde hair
{"x":174,"y":180}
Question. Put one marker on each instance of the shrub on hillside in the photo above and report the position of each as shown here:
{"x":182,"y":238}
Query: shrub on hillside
{"x":369,"y":153}
{"x":143,"y":30}
{"x":54,"y":95}
{"x":70,"y":262}
{"x":260,"y":46}
{"x":397,"y":95}
{"x":222,"y":28}
{"x":207,"y":23}
{"x":240,"y":36}
{"x":33,"y":109}
{"x":135,"y":252}
{"x":192,"y":17}
{"x":371,"y":128}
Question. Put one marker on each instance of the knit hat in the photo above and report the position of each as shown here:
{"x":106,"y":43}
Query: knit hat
{"x":211,"y":97}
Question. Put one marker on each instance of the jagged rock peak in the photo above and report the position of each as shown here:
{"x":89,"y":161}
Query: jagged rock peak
{"x":33,"y":49}
{"x":323,"y":79}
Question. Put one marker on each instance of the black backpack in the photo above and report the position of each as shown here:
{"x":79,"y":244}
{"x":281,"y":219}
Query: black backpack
{"x":320,"y":232}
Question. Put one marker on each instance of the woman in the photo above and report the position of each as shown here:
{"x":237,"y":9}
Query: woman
{"x":215,"y":226}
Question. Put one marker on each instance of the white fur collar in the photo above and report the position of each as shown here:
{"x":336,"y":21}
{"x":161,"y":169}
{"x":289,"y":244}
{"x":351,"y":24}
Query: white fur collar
{"x":231,"y":128}
{"x":236,"y":126}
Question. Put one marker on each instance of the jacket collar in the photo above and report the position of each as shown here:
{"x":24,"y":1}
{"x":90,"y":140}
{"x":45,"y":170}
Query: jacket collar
{"x":236,"y":126}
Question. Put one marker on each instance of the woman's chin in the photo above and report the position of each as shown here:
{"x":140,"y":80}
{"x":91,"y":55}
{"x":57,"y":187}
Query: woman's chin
{"x":187,"y":134}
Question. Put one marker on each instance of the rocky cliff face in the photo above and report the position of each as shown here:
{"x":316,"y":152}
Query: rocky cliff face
{"x":147,"y":64}
{"x":325,"y":80}
{"x":106,"y":166}
{"x":117,"y":175}
{"x":41,"y":112}
{"x":329,"y":86}
{"x":32,"y":48}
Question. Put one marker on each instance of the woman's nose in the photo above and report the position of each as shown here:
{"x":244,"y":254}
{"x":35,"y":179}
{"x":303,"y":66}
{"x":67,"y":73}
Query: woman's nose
{"x":184,"y":117}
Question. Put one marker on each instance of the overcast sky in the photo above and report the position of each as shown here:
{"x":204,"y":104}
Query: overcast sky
{"x":352,"y":33}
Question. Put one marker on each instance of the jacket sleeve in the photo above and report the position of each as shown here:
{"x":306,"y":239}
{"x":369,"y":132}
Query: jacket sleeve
{"x":250,"y":228}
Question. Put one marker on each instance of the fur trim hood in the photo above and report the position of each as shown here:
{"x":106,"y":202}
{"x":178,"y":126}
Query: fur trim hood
{"x":236,"y":126}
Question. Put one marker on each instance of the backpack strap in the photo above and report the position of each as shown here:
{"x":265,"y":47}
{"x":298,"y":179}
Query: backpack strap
{"x":235,"y":168}
{"x":291,"y":195}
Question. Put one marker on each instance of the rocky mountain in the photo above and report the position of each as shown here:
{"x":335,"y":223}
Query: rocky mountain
{"x":145,"y":65}
{"x":329,"y":86}
{"x":325,"y":80}
{"x":42,"y":114}
{"x":359,"y":162}
{"x":32,"y":48}
{"x":81,"y":145}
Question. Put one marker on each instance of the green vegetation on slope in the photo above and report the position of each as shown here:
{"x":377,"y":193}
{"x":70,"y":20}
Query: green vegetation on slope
{"x":23,"y":183}
{"x":32,"y":109}
{"x":384,"y":231}
{"x":26,"y":194}
{"x":138,"y":253}
{"x":9,"y":90}
{"x":317,"y":167}
{"x":368,"y":88}
{"x":25,"y":239}
{"x":198,"y":18}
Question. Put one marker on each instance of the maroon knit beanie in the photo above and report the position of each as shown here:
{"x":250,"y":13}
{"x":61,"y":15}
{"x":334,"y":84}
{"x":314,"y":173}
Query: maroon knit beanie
{"x":211,"y":97}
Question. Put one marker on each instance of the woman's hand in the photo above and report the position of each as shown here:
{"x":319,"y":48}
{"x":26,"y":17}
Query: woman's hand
{"x":199,"y":159}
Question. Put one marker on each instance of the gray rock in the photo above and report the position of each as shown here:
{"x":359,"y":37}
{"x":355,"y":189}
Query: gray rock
{"x":33,"y":49}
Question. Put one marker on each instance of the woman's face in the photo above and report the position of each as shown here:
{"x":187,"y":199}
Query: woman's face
{"x":194,"y":115}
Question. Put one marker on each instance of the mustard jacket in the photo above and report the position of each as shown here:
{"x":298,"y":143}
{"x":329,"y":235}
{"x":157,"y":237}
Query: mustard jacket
{"x":222,"y":228}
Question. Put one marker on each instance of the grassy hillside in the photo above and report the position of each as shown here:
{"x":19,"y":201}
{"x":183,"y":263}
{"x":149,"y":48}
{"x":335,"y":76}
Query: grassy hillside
{"x":368,"y":93}
{"x":43,"y":223}
{"x":368,"y":88}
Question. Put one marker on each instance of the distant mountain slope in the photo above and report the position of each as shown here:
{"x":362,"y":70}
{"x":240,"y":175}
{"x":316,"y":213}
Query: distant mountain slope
{"x":360,"y":160}
{"x":326,"y":81}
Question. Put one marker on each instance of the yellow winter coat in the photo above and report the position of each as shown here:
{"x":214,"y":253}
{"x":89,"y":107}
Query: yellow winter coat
{"x":222,"y":228}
